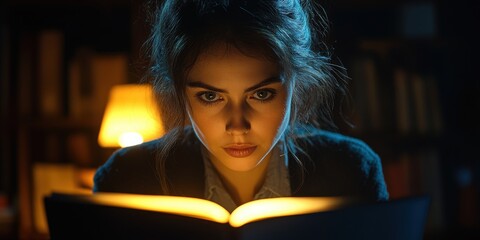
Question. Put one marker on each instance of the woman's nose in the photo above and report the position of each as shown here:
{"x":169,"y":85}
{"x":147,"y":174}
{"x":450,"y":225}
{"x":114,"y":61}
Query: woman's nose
{"x":238,"y":123}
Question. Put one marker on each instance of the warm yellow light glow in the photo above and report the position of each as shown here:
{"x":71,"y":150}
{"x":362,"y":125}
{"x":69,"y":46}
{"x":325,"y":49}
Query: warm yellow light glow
{"x":277,"y":207}
{"x":211,"y":211}
{"x":131,"y":112}
{"x":129,"y":139}
{"x":185,"y":206}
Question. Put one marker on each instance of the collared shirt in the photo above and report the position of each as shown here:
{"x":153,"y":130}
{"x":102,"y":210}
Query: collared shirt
{"x":276,"y":184}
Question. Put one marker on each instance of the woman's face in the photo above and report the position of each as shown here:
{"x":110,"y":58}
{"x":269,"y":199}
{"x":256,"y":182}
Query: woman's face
{"x":238,"y":106}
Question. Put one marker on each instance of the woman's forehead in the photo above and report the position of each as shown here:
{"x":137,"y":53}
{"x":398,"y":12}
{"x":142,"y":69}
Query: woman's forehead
{"x":223,"y":48}
{"x":230,"y":62}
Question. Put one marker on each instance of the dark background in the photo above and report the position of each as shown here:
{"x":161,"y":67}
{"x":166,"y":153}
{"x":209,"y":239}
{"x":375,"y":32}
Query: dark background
{"x":432,"y":39}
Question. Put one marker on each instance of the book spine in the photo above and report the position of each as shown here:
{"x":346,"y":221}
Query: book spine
{"x":107,"y":71}
{"x":397,"y":174}
{"x":365,"y":84}
{"x":50,"y":65}
{"x":402,"y":101}
{"x":420,"y":104}
{"x":80,"y":84}
{"x":373,"y":100}
{"x":357,"y":89}
{"x":91,"y":77}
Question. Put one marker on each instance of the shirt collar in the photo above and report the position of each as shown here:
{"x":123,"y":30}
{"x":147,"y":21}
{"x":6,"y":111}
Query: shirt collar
{"x":276,"y":184}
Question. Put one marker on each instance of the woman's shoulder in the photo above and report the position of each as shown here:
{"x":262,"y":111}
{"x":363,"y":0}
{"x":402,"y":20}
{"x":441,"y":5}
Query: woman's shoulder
{"x":347,"y":163}
{"x":125,"y":168}
{"x":135,"y":165}
{"x":146,"y":151}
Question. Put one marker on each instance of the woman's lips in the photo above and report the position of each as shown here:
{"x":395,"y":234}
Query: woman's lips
{"x":240,"y":151}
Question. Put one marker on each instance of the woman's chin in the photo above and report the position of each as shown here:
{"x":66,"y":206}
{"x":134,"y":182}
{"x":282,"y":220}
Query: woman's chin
{"x":242,"y":164}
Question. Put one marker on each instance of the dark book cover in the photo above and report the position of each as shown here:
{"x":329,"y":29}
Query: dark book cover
{"x":73,"y":218}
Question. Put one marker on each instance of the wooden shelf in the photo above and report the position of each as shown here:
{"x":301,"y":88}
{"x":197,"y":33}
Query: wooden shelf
{"x":56,"y":124}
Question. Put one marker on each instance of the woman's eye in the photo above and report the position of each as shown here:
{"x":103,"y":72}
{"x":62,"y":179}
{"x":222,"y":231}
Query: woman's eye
{"x":264,"y":94}
{"x":209,"y":97}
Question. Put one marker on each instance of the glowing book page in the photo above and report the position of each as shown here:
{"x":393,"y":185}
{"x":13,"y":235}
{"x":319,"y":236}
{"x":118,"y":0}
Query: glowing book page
{"x":211,"y":211}
{"x":185,"y":206}
{"x":285,"y":206}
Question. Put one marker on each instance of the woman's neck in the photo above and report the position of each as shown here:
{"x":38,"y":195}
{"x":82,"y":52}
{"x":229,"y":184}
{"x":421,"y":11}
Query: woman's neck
{"x":243,"y":186}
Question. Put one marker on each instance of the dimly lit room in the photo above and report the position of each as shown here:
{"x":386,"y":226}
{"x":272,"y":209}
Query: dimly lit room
{"x":73,"y":91}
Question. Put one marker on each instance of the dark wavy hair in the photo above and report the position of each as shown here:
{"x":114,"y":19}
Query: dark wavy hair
{"x":289,"y":32}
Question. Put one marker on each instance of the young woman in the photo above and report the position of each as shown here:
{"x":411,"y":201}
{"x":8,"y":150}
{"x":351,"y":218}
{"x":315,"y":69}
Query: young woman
{"x":246,"y":89}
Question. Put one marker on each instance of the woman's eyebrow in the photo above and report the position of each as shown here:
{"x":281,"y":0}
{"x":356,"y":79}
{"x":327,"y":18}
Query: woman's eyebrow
{"x":204,"y":85}
{"x":267,"y":81}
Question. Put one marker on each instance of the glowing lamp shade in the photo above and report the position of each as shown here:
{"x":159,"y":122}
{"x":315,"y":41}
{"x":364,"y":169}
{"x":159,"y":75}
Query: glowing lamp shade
{"x":131,"y":117}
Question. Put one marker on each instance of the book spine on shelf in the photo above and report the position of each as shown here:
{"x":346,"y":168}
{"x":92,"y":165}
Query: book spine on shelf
{"x":50,"y":68}
{"x":432,"y":185}
{"x":91,"y":76}
{"x":366,"y":94}
{"x":398,"y":177}
{"x":420,"y":104}
{"x":402,"y":100}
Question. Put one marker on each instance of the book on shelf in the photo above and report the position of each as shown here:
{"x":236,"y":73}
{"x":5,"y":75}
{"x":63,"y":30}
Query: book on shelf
{"x":417,"y":103}
{"x":50,"y":72}
{"x":91,"y":76}
{"x":403,"y":100}
{"x":431,"y":183}
{"x":419,"y":97}
{"x":428,"y":110}
{"x":366,"y":92}
{"x":116,"y":215}
{"x":398,"y":176}
{"x":414,"y":173}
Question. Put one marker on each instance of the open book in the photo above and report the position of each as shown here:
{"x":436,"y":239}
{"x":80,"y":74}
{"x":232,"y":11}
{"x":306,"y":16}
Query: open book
{"x":114,"y":215}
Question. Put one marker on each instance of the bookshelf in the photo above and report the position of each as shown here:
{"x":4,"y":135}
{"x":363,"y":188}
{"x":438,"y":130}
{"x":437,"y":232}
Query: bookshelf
{"x":410,"y":87}
{"x":63,"y":54}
